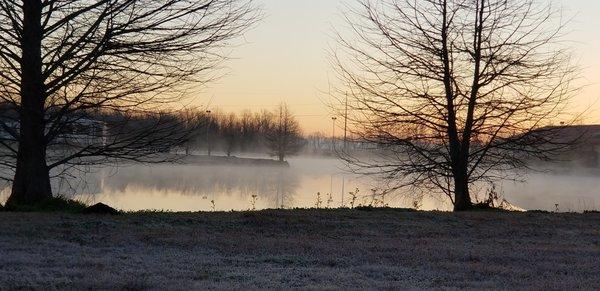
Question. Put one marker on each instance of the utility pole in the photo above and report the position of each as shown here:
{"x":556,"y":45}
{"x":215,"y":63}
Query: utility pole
{"x":208,"y":121}
{"x":333,"y":119}
{"x":346,"y":124}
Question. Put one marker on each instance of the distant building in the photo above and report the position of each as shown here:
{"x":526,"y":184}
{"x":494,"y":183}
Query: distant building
{"x":80,"y":132}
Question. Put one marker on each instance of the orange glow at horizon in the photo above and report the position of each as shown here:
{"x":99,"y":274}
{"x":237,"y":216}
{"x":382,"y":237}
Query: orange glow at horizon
{"x":285,"y":59}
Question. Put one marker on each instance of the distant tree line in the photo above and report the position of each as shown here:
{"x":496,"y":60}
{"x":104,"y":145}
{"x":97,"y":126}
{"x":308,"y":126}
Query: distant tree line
{"x":198,"y":131}
{"x":265,"y":132}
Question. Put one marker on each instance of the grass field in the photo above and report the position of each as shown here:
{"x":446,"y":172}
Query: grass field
{"x":337,"y":249}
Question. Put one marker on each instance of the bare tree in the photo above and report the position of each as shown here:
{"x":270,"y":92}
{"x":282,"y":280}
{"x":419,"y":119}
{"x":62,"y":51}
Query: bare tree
{"x":284,"y":136}
{"x":193,"y":122}
{"x":453,"y":92}
{"x":65,"y":62}
{"x":231,"y":133}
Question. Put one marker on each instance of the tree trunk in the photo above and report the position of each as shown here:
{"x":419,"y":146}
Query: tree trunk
{"x":462,"y":198}
{"x":31,"y":182}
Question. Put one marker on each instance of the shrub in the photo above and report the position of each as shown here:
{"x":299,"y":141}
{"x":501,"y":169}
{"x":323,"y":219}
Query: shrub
{"x":55,"y":204}
{"x":486,"y":206}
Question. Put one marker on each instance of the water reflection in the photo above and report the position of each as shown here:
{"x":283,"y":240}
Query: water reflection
{"x":206,"y":188}
{"x":187,"y":187}
{"x":193,"y":187}
{"x":573,"y":191}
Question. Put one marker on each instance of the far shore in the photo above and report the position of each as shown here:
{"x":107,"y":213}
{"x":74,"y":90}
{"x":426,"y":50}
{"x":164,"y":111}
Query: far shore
{"x":215,"y":160}
{"x":231,"y":160}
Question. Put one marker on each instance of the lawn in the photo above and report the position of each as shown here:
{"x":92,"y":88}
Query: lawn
{"x":337,"y":249}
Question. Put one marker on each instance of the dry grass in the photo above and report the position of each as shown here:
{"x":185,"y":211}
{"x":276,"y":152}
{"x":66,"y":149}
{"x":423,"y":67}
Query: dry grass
{"x":337,"y":249}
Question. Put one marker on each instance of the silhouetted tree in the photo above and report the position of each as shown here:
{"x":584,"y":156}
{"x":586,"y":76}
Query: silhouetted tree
{"x":231,"y":133}
{"x":284,"y":136}
{"x":248,"y":131}
{"x":192,"y":122}
{"x":63,"y":61}
{"x":454,"y":92}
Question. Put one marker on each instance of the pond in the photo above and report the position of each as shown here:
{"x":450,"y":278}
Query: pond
{"x":307,"y":182}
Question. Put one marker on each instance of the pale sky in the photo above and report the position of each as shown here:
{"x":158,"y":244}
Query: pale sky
{"x":284,"y":58}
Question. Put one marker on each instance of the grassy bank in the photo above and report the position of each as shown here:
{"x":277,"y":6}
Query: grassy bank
{"x":301,"y":249}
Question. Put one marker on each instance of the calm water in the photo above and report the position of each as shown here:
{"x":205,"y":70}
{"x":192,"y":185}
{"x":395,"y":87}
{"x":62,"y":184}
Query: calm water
{"x":192,"y":188}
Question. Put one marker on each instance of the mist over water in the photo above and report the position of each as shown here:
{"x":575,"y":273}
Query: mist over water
{"x":194,"y":187}
{"x":185,"y":187}
{"x":577,"y":190}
